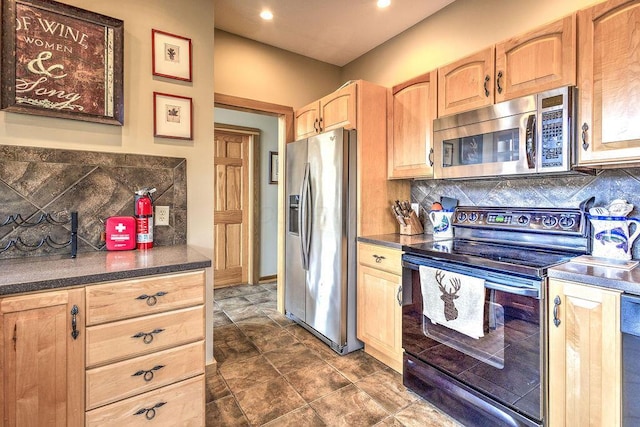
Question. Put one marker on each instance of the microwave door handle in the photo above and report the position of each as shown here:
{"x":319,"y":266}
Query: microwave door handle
{"x":530,"y":135}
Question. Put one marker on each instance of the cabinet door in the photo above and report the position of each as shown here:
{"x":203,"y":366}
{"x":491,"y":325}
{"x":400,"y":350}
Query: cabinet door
{"x":338,"y":109}
{"x":380,"y":315}
{"x":539,"y":60}
{"x":584,"y":355}
{"x":410,"y":148}
{"x":42,"y":365}
{"x":609,"y":86}
{"x":307,"y":120}
{"x":467,"y":83}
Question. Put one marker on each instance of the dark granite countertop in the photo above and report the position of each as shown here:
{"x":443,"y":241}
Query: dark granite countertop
{"x":605,"y":277}
{"x":42,"y":273}
{"x":396,"y":241}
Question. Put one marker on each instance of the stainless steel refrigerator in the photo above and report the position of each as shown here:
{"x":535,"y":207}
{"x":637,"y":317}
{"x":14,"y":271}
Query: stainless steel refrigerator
{"x":320,"y":274}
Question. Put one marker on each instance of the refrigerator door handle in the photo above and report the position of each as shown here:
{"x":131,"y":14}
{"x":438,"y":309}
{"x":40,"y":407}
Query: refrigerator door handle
{"x":303,"y":217}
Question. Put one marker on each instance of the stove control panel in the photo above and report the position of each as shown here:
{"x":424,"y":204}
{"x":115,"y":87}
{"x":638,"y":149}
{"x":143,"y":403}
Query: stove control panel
{"x":551,"y":220}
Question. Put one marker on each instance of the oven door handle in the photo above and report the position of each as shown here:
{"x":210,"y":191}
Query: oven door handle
{"x":515,"y":290}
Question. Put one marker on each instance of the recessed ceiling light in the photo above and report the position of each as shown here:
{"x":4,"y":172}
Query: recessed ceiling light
{"x":266,"y":15}
{"x":383,"y":3}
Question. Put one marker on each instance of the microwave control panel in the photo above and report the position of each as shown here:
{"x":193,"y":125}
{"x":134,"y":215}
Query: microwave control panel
{"x":554,"y":122}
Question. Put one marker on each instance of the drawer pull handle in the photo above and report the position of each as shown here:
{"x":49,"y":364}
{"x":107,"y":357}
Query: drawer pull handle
{"x":74,"y":322}
{"x":399,"y":296}
{"x":147,"y":337}
{"x":152,"y":299}
{"x":147,"y":375}
{"x":378,"y":258}
{"x":150,"y":413}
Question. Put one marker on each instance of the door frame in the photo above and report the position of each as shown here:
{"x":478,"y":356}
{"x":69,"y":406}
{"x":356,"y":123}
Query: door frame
{"x":285,"y":134}
{"x":253,"y":208}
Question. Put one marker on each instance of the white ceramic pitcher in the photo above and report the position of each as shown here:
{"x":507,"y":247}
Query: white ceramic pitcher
{"x":441,"y":221}
{"x":611,"y":238}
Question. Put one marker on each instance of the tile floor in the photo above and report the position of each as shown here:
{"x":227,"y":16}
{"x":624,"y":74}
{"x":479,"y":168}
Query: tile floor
{"x":272,"y":372}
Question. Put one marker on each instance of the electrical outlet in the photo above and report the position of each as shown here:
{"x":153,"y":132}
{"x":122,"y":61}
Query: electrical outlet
{"x":162,"y":215}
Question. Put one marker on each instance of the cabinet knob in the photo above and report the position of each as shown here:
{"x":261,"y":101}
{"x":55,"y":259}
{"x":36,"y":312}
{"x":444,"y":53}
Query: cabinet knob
{"x":152,"y":299}
{"x":378,"y":258}
{"x":147,"y":337}
{"x":150,"y":413}
{"x":147,"y":375}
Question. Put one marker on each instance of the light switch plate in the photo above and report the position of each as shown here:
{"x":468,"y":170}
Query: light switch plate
{"x":162,"y":215}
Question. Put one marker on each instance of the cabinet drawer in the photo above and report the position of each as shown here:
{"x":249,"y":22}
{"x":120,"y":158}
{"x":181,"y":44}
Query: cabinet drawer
{"x":180,"y":404}
{"x":120,"y":340}
{"x":117,"y":381}
{"x":132,"y":298}
{"x":380,"y":257}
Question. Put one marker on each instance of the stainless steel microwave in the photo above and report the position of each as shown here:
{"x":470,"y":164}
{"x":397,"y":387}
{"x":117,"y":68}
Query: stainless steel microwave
{"x":528,"y":135}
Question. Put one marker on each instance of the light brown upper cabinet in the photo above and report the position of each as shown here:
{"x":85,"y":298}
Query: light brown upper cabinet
{"x":609,"y":84}
{"x":336,"y":110}
{"x":413,"y":108}
{"x":542,"y":59}
{"x":539,"y":60}
{"x":467,"y":83}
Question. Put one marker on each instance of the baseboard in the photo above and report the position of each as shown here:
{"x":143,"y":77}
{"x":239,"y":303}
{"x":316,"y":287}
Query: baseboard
{"x":268,"y":279}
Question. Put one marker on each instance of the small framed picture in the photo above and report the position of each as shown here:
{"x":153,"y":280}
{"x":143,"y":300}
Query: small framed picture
{"x":172,"y":116}
{"x":273,"y":167}
{"x":447,"y":154}
{"x":171,"y":55}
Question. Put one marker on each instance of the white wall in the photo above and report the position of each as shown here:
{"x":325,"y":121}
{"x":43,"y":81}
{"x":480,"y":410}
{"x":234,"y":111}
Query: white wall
{"x":268,"y":126}
{"x":192,"y":19}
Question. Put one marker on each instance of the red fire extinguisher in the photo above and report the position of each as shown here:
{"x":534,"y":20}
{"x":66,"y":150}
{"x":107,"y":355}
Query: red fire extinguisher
{"x":143,"y":212}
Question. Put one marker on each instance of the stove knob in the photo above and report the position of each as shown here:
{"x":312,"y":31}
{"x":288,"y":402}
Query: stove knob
{"x":462,"y":216}
{"x":473,"y":216}
{"x":549,"y":221}
{"x":523,"y":220}
{"x":567,"y":222}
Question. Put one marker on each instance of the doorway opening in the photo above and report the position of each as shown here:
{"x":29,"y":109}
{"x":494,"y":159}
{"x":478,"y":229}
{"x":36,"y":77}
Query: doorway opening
{"x":285,"y":133}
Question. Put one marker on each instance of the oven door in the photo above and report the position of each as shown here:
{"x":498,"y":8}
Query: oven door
{"x":505,"y":365}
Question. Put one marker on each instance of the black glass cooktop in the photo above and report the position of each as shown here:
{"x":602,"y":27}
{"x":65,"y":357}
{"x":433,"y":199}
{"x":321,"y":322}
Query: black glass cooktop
{"x":496,"y":256}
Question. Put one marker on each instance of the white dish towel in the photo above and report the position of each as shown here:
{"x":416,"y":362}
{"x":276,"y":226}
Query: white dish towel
{"x":453,"y":300}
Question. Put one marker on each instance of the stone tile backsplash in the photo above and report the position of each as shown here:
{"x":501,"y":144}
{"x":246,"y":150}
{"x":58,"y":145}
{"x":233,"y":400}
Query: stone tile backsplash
{"x":551,"y":191}
{"x":34,"y":181}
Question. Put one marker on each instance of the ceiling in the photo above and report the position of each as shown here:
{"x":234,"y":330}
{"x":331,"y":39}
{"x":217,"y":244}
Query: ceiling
{"x":332,"y":31}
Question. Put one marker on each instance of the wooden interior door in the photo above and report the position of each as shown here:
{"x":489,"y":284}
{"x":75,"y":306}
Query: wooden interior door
{"x":231,"y":216}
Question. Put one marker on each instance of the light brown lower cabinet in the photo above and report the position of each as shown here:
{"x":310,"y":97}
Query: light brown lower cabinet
{"x":42,"y":359}
{"x":584,"y":355}
{"x":123,"y":353}
{"x":379,"y":303}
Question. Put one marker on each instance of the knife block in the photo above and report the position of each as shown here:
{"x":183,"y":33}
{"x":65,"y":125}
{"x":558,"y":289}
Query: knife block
{"x":414,"y":226}
{"x":410,"y":230}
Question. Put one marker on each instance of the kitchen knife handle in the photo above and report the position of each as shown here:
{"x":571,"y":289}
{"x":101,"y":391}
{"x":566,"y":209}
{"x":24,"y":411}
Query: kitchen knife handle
{"x":556,"y":305}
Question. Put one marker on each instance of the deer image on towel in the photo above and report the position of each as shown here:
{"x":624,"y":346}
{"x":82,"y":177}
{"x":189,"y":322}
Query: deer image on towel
{"x":450,"y":310}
